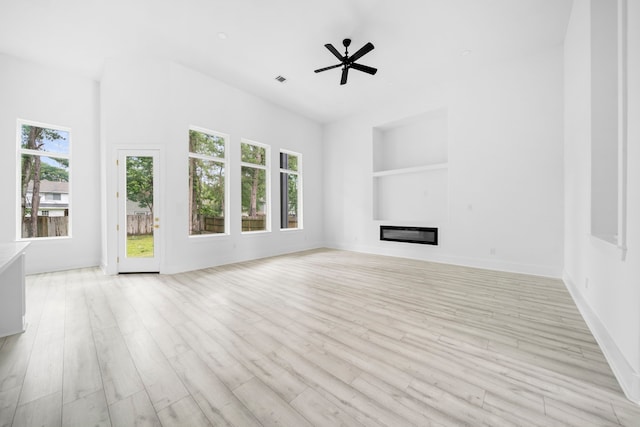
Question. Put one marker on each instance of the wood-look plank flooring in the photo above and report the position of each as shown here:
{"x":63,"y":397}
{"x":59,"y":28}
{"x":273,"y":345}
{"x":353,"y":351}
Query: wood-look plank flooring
{"x":318,"y":338}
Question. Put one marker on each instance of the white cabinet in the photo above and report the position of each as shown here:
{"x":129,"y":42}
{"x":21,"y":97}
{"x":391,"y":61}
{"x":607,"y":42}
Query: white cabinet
{"x":410,"y":169}
{"x":12,"y":294}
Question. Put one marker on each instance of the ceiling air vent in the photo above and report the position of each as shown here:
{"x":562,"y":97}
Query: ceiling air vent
{"x":281,"y":79}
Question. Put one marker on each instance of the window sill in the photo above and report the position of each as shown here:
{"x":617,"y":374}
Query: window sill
{"x":609,"y":243}
{"x":212,"y":235}
{"x":42,"y":239}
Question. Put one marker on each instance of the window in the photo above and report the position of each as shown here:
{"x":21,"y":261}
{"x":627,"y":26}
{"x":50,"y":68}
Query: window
{"x":290,"y":190}
{"x":44,"y":156}
{"x":207,"y":184}
{"x":255,"y":186}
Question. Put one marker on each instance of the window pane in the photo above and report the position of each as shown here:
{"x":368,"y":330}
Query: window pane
{"x":289,"y":161}
{"x":205,"y":144}
{"x":44,"y":187}
{"x":139,"y":197}
{"x":288,"y":200}
{"x":206,"y":197}
{"x":44,"y":139}
{"x":254,"y":154}
{"x":254,"y":200}
{"x":50,"y":168}
{"x":292,"y":194}
{"x":52,"y":196}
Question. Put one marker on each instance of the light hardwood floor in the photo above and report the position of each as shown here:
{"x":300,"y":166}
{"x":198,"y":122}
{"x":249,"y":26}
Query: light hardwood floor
{"x":323,"y":338}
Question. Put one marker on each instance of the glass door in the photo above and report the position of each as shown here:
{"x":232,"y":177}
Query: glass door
{"x":138,"y":206}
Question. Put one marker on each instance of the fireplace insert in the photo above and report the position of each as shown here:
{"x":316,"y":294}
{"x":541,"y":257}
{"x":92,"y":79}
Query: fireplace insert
{"x":422,"y":235}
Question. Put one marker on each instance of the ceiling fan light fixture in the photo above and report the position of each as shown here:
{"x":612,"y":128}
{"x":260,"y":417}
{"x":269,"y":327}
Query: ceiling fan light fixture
{"x":347,"y":61}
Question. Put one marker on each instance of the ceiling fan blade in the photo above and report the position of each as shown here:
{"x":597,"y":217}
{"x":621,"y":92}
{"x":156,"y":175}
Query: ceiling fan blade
{"x":363,"y":51}
{"x":334,"y":51}
{"x":345,"y":71}
{"x":364,"y":68}
{"x":327,"y":68}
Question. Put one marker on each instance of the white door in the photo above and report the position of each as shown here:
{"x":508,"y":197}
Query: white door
{"x":138,"y":211}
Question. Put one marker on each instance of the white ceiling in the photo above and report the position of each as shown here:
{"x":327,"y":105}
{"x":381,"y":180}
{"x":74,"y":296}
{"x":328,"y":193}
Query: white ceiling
{"x":418,"y":43}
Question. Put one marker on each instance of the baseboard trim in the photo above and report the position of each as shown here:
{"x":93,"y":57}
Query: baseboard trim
{"x":627,"y":377}
{"x":431,"y":254}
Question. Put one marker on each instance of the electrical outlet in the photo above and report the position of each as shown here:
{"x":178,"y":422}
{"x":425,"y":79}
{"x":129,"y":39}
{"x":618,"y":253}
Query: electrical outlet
{"x":586,"y":283}
{"x":492,"y":251}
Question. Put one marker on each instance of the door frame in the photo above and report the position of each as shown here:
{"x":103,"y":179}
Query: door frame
{"x":138,"y":265}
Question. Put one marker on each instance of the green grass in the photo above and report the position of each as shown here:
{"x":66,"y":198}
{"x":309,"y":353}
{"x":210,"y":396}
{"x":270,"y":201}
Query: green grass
{"x":140,"y":246}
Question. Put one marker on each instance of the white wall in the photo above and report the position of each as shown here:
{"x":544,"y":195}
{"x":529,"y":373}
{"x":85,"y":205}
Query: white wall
{"x":605,"y":287}
{"x":33,"y":92}
{"x":505,"y":170}
{"x":153,"y":103}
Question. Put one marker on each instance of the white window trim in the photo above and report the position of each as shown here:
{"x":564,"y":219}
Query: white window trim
{"x":223,"y":160}
{"x":300,"y":189}
{"x":19,"y":152}
{"x":267,"y":168}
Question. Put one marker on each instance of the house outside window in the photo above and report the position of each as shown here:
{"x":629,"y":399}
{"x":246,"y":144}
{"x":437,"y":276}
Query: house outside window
{"x":290,"y":190}
{"x":44,"y":157}
{"x":208,"y":187}
{"x":255,"y":186}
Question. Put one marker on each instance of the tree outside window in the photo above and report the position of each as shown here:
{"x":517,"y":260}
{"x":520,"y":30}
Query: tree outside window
{"x":44,"y":169}
{"x":140,"y":181}
{"x":207,"y":186}
{"x":290,"y":190}
{"x":255,"y":175}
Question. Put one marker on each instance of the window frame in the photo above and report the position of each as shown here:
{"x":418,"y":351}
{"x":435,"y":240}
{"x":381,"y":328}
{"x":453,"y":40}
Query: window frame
{"x":299,"y":174}
{"x":267,"y":168}
{"x":224,"y":160}
{"x":25,"y":151}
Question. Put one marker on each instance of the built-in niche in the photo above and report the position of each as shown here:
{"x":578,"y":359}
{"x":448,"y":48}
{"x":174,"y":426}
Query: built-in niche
{"x":609,"y":121}
{"x":410,"y":169}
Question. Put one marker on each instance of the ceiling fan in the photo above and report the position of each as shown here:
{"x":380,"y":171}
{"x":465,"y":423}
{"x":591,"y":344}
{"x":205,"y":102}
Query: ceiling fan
{"x":347,"y":61}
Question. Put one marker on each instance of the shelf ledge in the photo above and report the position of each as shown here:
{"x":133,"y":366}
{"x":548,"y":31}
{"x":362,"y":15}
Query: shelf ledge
{"x":425,"y":168}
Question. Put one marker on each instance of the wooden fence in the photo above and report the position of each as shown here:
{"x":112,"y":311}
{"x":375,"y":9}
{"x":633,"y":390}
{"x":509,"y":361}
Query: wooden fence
{"x":48,"y":226}
{"x":143,"y":224}
{"x":216,"y":224}
{"x":213,"y":224}
{"x":293,"y":222}
{"x":139,"y":224}
{"x":210,"y":224}
{"x":253,"y":224}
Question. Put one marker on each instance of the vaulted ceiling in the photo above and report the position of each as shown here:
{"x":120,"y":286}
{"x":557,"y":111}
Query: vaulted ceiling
{"x":418,"y":43}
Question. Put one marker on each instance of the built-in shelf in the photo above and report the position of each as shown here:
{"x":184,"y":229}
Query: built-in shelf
{"x":416,"y":169}
{"x":410,"y":169}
